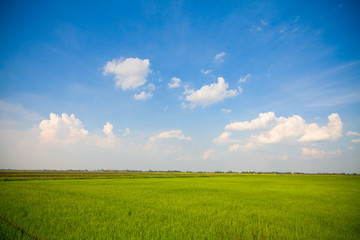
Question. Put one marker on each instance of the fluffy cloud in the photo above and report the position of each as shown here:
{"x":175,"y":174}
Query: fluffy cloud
{"x":356,"y":140}
{"x":66,"y":129}
{"x":263,"y":121}
{"x":108,"y":130}
{"x":129,"y":73}
{"x":314,"y":153}
{"x":175,"y":82}
{"x":209,"y":94}
{"x":279,"y":129}
{"x":285,"y":127}
{"x":332,"y":131}
{"x":143,"y":96}
{"x":219,"y":57}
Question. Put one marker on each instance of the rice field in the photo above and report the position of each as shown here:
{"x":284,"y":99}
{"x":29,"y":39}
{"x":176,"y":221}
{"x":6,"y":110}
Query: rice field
{"x":180,"y":206}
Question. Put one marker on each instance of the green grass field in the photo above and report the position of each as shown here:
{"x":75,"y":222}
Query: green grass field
{"x":180,"y":206}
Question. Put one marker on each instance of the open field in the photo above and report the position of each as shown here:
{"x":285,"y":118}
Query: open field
{"x":179,"y":206}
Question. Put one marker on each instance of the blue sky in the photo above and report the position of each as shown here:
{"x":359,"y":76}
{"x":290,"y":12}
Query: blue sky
{"x":186,"y":85}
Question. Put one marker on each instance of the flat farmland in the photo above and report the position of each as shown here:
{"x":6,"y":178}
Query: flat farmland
{"x":178,"y":206}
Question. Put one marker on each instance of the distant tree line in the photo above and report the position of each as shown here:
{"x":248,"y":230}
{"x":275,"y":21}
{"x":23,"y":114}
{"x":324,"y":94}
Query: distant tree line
{"x":178,"y":171}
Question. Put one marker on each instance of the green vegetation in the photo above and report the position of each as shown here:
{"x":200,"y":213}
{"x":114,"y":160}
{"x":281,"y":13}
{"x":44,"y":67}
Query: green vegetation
{"x":180,"y":206}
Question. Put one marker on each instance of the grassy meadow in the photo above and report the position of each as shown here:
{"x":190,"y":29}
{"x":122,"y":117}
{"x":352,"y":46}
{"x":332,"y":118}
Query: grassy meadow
{"x":179,"y":206}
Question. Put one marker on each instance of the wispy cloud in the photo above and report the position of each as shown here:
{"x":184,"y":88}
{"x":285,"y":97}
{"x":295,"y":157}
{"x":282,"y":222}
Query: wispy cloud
{"x":226,"y":110}
{"x":243,"y":79}
{"x":205,"y":72}
{"x":264,"y":23}
{"x":219,"y":57}
{"x":351,"y":133}
{"x":314,"y":153}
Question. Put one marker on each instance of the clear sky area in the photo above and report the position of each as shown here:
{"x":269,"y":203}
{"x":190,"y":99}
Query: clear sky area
{"x":180,"y":85}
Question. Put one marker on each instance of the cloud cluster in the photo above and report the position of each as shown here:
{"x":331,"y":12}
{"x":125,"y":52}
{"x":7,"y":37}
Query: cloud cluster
{"x":67,"y":129}
{"x":209,"y":94}
{"x":130,"y":73}
{"x":276,"y":130}
{"x":263,"y":121}
{"x":64,"y":128}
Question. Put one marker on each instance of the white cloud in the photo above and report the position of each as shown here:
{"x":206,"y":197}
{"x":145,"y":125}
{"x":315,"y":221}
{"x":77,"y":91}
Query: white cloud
{"x":356,"y":140}
{"x":224,"y":138}
{"x":205,"y":72}
{"x":235,"y":147}
{"x":187,"y":90}
{"x":172,"y":134}
{"x":175,"y":82}
{"x":332,"y":131}
{"x":126,"y":132}
{"x":226,"y":110}
{"x":350,"y":133}
{"x":209,"y":94}
{"x":129,"y":73}
{"x":283,"y":128}
{"x":263,"y":121}
{"x":108,"y":130}
{"x":219,"y":57}
{"x":69,"y":130}
{"x":64,"y":129}
{"x":243,"y":79}
{"x":110,"y":138}
{"x":143,"y":96}
{"x":208,"y":154}
{"x":314,"y":153}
